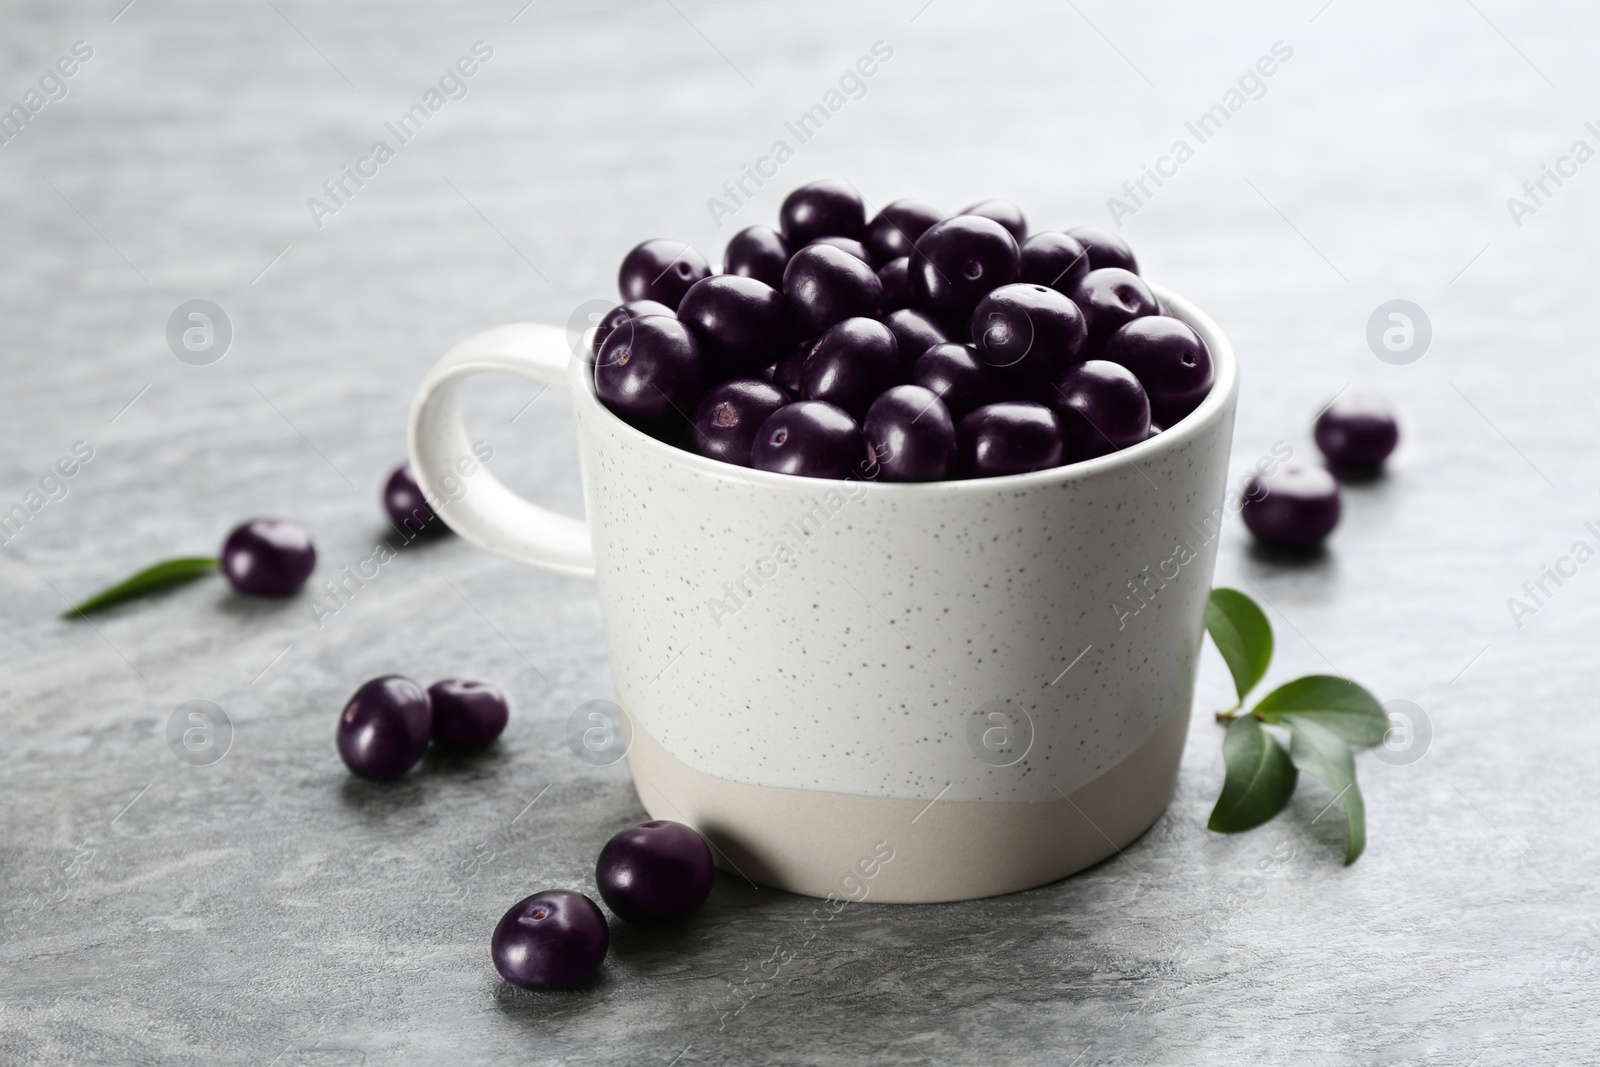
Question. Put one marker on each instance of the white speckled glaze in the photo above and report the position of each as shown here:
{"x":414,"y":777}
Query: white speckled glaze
{"x":800,"y":634}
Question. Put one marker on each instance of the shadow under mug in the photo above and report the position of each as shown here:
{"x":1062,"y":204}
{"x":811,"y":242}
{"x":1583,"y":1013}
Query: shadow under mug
{"x":863,"y":690}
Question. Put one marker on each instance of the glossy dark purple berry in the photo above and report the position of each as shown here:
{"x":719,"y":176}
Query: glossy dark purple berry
{"x":741,"y":324}
{"x":1054,"y":259}
{"x":910,"y":435}
{"x":914,"y":333}
{"x":1296,"y":506}
{"x":661,"y":270}
{"x":1170,"y":361}
{"x":1357,"y":432}
{"x":652,"y":374}
{"x":385,"y":728}
{"x":1030,"y":330}
{"x":1110,"y":298}
{"x":786,"y":372}
{"x":896,"y":284}
{"x":850,"y":365}
{"x":467,"y":714}
{"x":1011,"y":437}
{"x":827,"y":208}
{"x":268,"y":557}
{"x":826,"y":285}
{"x":1004,"y":212}
{"x":1105,"y":248}
{"x":407,"y":506}
{"x":848,"y":244}
{"x":758,"y":252}
{"x":655,"y":872}
{"x":623,"y":314}
{"x":960,"y":260}
{"x":729,"y":416}
{"x":812,"y":439}
{"x":1103,"y":408}
{"x":553,"y":939}
{"x":957,"y":376}
{"x":894,"y":230}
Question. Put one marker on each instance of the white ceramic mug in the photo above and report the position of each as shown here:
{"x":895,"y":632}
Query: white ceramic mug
{"x":897,"y":692}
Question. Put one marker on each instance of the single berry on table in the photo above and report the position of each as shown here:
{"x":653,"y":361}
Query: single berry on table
{"x":740,"y":323}
{"x":910,"y":435}
{"x":1105,"y":248}
{"x":810,"y":438}
{"x":825,"y":285}
{"x":1010,"y":437}
{"x":957,"y":376}
{"x":1103,"y":408}
{"x":1170,"y":361}
{"x":656,"y":872}
{"x":894,"y":230}
{"x":1004,"y":212}
{"x":726,"y":422}
{"x":1054,"y":259}
{"x":268,"y":557}
{"x":957,"y":262}
{"x":661,"y":270}
{"x":652,"y":374}
{"x":1030,"y":330}
{"x":1357,"y":432}
{"x":758,"y":252}
{"x":408,"y":508}
{"x":552,"y":939}
{"x":385,"y":728}
{"x":467,"y":714}
{"x":1296,"y":506}
{"x":850,"y":365}
{"x":827,"y":208}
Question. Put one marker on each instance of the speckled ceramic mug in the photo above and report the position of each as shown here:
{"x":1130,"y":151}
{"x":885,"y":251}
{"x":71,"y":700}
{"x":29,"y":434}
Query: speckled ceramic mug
{"x":895,"y":692}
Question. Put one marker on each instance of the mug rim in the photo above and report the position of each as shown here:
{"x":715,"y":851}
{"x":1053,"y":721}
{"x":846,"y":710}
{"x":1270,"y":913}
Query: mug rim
{"x":1224,"y":390}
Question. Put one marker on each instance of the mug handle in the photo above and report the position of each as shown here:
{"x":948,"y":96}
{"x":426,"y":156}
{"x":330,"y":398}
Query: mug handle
{"x":487,"y":513}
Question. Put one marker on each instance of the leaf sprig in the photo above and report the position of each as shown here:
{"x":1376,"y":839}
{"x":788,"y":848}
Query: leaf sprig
{"x":1325,"y":717}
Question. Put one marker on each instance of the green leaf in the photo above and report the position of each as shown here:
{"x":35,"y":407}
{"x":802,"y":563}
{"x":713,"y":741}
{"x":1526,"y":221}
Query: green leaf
{"x":1259,"y":781}
{"x":1338,"y":704}
{"x":1243,"y":636}
{"x":1325,"y":755}
{"x":166,"y":573}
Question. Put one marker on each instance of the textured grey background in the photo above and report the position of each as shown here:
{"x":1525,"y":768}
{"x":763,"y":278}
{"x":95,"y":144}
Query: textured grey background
{"x":267,"y":909}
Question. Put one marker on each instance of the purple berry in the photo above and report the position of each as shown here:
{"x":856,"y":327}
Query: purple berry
{"x":1004,"y":212}
{"x":910,"y":435}
{"x":957,"y":376}
{"x":758,"y":252}
{"x":467,"y":714}
{"x":850,"y":365}
{"x":623,"y":314}
{"x":826,"y":285}
{"x":1110,"y":298}
{"x":914,"y":333}
{"x":786,"y":372}
{"x":1294,"y":507}
{"x":1103,"y":408}
{"x":655,"y":872}
{"x":812,"y":439}
{"x":848,"y":244}
{"x":727,"y":419}
{"x":407,"y":507}
{"x":385,"y":728}
{"x":1054,"y":259}
{"x":661,"y":270}
{"x":826,"y":208}
{"x":896,"y":284}
{"x":959,"y":261}
{"x":551,"y":939}
{"x":1030,"y":330}
{"x":894,"y":230}
{"x":1011,"y":437}
{"x":1357,"y":432}
{"x":1170,"y":361}
{"x":268,"y":557}
{"x":740,"y":323}
{"x":1105,"y":248}
{"x":651,"y":374}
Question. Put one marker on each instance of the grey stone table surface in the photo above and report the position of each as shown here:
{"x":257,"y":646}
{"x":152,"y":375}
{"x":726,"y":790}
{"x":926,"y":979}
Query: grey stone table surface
{"x":268,"y":909}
